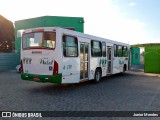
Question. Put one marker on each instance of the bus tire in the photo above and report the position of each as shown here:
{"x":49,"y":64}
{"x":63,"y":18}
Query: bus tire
{"x":97,"y":76}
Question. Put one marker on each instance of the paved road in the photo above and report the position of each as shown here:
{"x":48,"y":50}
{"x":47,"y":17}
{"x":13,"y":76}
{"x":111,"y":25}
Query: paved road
{"x":129,"y":92}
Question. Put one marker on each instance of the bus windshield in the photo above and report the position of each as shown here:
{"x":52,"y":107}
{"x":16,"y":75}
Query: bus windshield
{"x":39,"y":40}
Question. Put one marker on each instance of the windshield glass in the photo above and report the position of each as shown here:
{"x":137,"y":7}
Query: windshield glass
{"x":39,"y":39}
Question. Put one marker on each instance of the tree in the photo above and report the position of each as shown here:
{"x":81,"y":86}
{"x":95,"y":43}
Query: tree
{"x":7,"y":37}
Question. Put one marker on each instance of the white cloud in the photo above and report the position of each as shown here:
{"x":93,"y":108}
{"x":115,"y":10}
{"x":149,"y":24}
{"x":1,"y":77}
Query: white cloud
{"x":102,"y":18}
{"x":131,"y":4}
{"x":114,"y":25}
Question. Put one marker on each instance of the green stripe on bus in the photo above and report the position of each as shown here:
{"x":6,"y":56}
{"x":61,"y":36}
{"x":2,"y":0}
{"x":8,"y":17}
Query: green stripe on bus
{"x":42,"y":78}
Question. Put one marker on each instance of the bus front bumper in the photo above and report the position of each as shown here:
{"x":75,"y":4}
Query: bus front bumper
{"x":42,"y":78}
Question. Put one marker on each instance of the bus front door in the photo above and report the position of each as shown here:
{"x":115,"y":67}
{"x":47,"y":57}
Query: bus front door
{"x":84,"y":60}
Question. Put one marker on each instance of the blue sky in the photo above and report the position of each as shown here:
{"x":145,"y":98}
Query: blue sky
{"x":147,"y":11}
{"x":129,"y":21}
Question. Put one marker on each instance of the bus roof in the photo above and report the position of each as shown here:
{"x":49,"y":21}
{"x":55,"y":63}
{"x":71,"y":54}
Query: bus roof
{"x":75,"y":33}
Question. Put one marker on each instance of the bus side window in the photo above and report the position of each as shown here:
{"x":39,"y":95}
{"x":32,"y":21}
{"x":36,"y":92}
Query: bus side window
{"x":115,"y":50}
{"x":96,"y":48}
{"x":120,"y":51}
{"x":64,"y":46}
{"x":70,"y":46}
{"x":125,"y":51}
{"x":103,"y":49}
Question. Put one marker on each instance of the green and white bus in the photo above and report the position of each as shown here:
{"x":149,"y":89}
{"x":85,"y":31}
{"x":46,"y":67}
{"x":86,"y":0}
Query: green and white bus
{"x":58,"y":55}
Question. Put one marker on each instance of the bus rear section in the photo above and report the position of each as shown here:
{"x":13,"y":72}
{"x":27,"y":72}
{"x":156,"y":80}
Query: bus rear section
{"x":39,"y":60}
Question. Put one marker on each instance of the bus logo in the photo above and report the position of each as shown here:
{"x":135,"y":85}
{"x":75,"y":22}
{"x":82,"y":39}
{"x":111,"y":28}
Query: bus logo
{"x":103,"y":62}
{"x":27,"y":60}
{"x":46,"y":62}
{"x":6,"y":114}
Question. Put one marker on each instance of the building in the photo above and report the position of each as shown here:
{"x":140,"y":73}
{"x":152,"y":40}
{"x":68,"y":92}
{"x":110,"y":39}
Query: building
{"x":152,"y":59}
{"x":151,"y":56}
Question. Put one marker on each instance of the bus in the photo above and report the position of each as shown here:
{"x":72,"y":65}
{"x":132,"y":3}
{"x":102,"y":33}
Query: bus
{"x":58,"y":55}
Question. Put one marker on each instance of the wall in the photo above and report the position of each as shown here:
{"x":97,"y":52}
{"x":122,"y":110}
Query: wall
{"x":9,"y":61}
{"x":152,"y":59}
